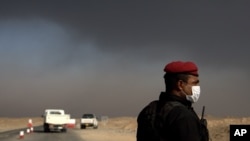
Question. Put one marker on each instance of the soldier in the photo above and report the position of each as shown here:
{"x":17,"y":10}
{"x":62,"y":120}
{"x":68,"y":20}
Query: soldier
{"x":172,"y":118}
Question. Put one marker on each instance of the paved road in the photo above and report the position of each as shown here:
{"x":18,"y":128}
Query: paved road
{"x":39,"y":135}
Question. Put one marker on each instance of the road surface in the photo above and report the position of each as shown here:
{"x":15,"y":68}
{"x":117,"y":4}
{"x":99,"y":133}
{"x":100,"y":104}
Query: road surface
{"x":39,"y":135}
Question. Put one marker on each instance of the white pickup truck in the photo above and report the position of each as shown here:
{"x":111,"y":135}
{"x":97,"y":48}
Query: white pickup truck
{"x":89,"y":120}
{"x":55,"y":119}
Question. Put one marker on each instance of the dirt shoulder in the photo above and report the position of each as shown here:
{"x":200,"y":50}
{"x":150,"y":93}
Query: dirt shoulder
{"x":115,"y":129}
{"x":16,"y":123}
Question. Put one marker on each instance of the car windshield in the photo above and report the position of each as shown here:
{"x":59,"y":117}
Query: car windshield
{"x":88,"y":116}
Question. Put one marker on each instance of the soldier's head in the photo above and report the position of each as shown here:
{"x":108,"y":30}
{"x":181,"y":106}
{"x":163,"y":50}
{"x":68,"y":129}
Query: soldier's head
{"x":180,"y":77}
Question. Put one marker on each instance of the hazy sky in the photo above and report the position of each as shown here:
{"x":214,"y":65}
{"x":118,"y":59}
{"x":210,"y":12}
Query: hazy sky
{"x":107,"y":57}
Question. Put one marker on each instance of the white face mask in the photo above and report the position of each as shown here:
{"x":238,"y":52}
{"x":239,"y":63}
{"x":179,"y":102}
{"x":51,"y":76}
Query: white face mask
{"x":196,"y":90}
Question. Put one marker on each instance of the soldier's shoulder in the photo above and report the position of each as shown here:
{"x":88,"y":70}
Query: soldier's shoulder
{"x":175,"y":109}
{"x":149,"y":108}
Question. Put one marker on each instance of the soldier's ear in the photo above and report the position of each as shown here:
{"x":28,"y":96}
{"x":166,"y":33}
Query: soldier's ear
{"x":180,"y":84}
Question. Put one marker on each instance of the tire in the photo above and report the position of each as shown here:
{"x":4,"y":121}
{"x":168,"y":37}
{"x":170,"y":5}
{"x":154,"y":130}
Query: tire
{"x":46,"y":127}
{"x":83,"y":127}
{"x":64,"y":130}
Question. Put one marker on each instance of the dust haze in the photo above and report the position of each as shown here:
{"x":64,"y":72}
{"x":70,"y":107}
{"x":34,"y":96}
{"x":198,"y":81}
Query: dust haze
{"x":107,"y":57}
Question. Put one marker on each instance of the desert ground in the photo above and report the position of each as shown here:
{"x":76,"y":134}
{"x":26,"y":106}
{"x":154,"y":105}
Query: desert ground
{"x":124,"y":128}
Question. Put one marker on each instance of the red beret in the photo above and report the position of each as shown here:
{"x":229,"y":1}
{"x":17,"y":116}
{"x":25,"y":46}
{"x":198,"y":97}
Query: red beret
{"x":181,"y":67}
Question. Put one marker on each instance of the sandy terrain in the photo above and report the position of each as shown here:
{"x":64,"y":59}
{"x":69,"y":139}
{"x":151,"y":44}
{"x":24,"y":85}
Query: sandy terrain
{"x":124,"y":128}
{"x":115,"y":129}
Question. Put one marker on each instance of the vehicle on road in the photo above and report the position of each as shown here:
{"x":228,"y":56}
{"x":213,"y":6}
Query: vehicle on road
{"x":89,"y":120}
{"x":55,"y":119}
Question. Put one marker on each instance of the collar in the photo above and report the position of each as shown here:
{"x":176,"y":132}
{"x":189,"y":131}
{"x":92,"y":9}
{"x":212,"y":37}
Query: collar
{"x":165,"y":97}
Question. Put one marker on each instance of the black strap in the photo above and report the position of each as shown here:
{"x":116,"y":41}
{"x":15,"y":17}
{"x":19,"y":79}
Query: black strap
{"x":161,"y":113}
{"x":168,"y":106}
